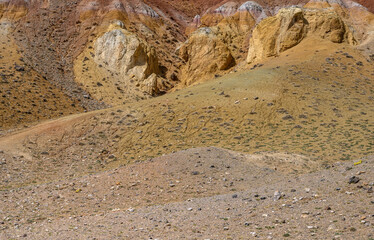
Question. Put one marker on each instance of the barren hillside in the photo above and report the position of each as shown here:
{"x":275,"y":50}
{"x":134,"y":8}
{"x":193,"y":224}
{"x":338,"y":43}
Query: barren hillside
{"x":166,"y":119}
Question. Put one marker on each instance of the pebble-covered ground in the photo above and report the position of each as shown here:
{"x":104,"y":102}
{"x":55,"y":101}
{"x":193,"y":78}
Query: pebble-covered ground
{"x":204,"y":193}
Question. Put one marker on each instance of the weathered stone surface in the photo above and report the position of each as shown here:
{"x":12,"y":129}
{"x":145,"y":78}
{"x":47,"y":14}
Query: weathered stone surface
{"x":352,"y":13}
{"x":118,"y":66}
{"x":155,"y":85}
{"x":204,"y":54}
{"x":13,"y":9}
{"x":121,"y":51}
{"x":290,"y":26}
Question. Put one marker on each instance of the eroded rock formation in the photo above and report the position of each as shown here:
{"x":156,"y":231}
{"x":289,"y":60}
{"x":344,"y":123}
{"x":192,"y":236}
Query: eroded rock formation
{"x":290,"y":26}
{"x":158,"y":44}
{"x":119,"y":66}
{"x":122,"y":52}
{"x":204,"y":54}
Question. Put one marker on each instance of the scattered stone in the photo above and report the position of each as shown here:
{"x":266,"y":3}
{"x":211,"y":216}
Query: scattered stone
{"x":353,"y":180}
{"x":131,"y":210}
{"x":277,"y":195}
{"x":287,"y":117}
{"x":332,"y":227}
{"x":19,"y":68}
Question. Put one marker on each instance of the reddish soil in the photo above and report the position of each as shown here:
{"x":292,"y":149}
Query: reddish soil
{"x":369,"y":4}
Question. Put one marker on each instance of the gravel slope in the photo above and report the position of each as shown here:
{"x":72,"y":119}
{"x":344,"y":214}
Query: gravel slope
{"x":203,"y":193}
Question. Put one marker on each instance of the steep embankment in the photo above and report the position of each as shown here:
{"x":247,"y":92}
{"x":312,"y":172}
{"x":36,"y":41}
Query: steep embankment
{"x":25,"y":95}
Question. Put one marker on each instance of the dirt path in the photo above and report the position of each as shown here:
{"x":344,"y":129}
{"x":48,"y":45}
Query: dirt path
{"x":14,"y":142}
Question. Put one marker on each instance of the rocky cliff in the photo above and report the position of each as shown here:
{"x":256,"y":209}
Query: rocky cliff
{"x":290,"y":26}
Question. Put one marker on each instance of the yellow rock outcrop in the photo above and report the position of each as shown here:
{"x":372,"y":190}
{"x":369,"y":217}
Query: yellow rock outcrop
{"x":290,"y":26}
{"x":121,"y":51}
{"x":13,"y":9}
{"x":221,"y":41}
{"x":205,"y":54}
{"x":353,"y":14}
{"x":119,"y":66}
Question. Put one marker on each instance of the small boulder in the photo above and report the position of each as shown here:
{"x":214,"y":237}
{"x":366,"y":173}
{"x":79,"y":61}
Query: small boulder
{"x":354,"y":180}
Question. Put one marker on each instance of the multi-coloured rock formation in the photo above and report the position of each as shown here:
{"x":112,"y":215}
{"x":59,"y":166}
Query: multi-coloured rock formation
{"x":112,"y":52}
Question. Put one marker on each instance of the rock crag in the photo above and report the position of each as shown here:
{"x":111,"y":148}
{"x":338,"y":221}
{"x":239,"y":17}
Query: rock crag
{"x":290,"y":26}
